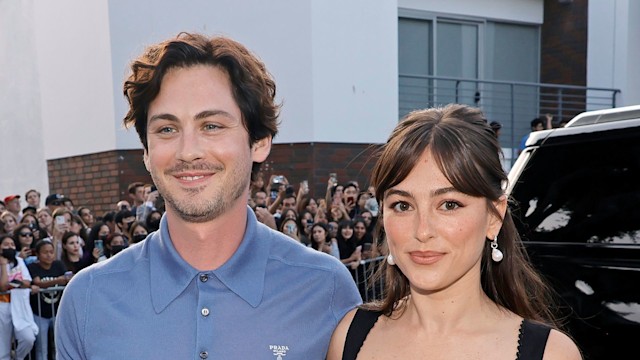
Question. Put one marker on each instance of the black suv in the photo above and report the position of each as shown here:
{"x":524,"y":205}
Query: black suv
{"x":577,"y":196}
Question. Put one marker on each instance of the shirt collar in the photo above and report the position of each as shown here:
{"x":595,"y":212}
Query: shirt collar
{"x":243,"y":273}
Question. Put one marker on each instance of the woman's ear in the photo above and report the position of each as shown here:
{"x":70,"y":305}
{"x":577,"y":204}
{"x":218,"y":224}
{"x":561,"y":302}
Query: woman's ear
{"x":495,"y":223}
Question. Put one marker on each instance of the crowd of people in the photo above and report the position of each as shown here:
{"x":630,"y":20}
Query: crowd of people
{"x":44,"y":245}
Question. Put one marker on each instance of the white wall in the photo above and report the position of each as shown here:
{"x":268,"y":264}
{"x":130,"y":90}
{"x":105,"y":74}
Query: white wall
{"x":22,"y":164}
{"x":613,"y":48}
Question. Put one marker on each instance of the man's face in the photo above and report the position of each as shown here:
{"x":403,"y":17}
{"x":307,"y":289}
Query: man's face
{"x":198,"y":148}
{"x":139,"y":194}
{"x":14,"y":205}
{"x":289,"y":203}
{"x":126,"y":222}
{"x":33,"y":199}
{"x":260,"y":198}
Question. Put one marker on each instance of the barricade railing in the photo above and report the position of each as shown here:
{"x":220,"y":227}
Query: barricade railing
{"x":53,"y":291}
{"x":370,"y":288}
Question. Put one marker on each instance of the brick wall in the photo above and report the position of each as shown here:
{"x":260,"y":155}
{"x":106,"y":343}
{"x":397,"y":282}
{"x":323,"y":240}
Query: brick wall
{"x":564,"y":47}
{"x":97,"y":180}
{"x":100,"y":180}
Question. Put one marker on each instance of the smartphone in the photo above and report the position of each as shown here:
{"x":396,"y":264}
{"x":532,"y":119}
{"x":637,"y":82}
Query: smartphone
{"x":99,"y":245}
{"x":334,"y":178}
{"x":60,"y":220}
{"x":290,"y":228}
{"x":305,"y":186}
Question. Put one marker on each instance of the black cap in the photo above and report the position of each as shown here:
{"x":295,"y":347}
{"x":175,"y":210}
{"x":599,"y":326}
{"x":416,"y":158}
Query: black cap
{"x":54,"y":197}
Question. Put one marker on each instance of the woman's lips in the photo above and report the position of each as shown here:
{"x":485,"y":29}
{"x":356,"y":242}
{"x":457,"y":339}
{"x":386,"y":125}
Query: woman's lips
{"x":426,"y":257}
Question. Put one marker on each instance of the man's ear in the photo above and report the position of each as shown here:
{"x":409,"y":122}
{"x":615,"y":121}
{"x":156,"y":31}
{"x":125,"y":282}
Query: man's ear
{"x":261,"y":149}
{"x":495,"y":223}
{"x":145,"y":159}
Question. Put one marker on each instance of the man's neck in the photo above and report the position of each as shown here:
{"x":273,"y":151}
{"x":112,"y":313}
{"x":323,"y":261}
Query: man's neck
{"x":207,"y":246}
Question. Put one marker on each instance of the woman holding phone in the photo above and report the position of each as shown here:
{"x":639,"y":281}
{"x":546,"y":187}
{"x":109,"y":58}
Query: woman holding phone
{"x":458,"y":283}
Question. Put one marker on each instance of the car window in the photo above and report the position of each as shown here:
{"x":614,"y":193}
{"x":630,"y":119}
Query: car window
{"x":582,"y":188}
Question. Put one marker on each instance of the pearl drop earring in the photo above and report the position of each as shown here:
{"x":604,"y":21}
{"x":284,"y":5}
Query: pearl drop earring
{"x":390,"y":260}
{"x":496,"y":254}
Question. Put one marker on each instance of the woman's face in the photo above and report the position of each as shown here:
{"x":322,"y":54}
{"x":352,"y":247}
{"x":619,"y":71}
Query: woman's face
{"x":336,"y":213}
{"x":75,"y":227}
{"x":318,"y":234}
{"x":117,"y":240}
{"x":104,"y":231}
{"x":367,"y":217}
{"x":44,"y":218}
{"x":289,"y":215}
{"x":28,"y":219}
{"x":72,"y":245}
{"x":347,"y":232}
{"x":359,"y":229}
{"x":7,"y":243}
{"x":25,"y":237}
{"x":46,"y":254}
{"x":435,"y":233}
{"x":333,"y":229}
{"x":139,"y":230}
{"x":9,"y":223}
{"x":312,"y":207}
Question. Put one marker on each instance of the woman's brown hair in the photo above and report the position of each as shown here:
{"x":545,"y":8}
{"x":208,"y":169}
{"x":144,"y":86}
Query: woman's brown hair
{"x":467,"y":152}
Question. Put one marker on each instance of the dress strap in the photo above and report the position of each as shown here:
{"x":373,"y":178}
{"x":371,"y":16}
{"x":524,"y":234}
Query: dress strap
{"x":532,"y":340}
{"x":361,"y":324}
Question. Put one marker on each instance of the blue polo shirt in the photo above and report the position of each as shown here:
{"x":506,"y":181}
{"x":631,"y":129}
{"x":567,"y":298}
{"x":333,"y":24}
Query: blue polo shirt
{"x":273,"y":298}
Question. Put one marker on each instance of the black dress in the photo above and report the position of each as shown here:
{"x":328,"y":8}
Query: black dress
{"x":532,"y":338}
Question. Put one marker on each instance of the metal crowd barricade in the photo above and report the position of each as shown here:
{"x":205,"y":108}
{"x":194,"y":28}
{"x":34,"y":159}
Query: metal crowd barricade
{"x":54,"y":308}
{"x":370,"y":287}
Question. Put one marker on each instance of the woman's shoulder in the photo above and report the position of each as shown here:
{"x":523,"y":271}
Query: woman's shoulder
{"x":351,"y":332}
{"x":561,"y":346}
{"x":340,"y":336}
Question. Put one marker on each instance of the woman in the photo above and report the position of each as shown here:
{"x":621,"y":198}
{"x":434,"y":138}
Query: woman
{"x":10,"y":222}
{"x":114,"y":244}
{"x":45,"y":220}
{"x":321,"y":241}
{"x":458,"y":284}
{"x":153,"y":220}
{"x":24,"y":239}
{"x":350,"y":250}
{"x":72,"y":255}
{"x":16,"y":318}
{"x":46,"y":273}
{"x":289,"y":227}
{"x":137,"y":232}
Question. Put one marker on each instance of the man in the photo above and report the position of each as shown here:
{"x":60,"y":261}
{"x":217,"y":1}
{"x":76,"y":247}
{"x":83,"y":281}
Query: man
{"x":212,"y":282}
{"x":136,"y":194}
{"x":33,"y":198}
{"x":124,"y":219}
{"x":536,"y":125}
{"x":12,"y":203}
{"x":54,"y":201}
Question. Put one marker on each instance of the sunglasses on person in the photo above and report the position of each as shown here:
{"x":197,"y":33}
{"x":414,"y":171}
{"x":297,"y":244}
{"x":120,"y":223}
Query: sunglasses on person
{"x":26,"y":234}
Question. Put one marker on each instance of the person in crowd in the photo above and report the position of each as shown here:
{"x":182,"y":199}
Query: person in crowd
{"x":47,"y":272}
{"x":322,"y":241}
{"x":496,"y":127}
{"x":137,"y":232}
{"x":16,"y":317}
{"x":362,"y":235}
{"x":122,"y":205}
{"x":28,"y":210}
{"x":114,"y":244}
{"x":124,"y":219}
{"x":260,"y":198}
{"x":99,"y":231}
{"x":68,"y":203}
{"x":12,"y":204}
{"x":45,"y":222}
{"x":3,"y":206}
{"x":78,"y":227}
{"x":153,"y":220}
{"x":537,"y":124}
{"x":33,"y":197}
{"x":86,"y":215}
{"x":34,"y":225}
{"x":109,"y":218}
{"x":151,"y":196}
{"x":205,"y":113}
{"x":61,"y":224}
{"x":458,"y":283}
{"x":333,"y":229}
{"x":25,"y":243}
{"x":350,"y":198}
{"x":54,"y":201}
{"x":350,"y":250}
{"x":289,"y":227}
{"x":305,"y":222}
{"x":136,"y":195}
{"x":9,"y":221}
{"x":369,"y":221}
{"x":72,"y":255}
{"x":338,"y":212}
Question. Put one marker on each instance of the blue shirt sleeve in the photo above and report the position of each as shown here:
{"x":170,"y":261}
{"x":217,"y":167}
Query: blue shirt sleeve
{"x":345,"y":293}
{"x":71,"y":317}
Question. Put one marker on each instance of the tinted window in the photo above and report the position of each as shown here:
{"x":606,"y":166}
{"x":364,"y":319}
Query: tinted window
{"x":582,"y":188}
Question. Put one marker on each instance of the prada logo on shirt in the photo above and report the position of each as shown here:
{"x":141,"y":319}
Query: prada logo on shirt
{"x":279,"y":351}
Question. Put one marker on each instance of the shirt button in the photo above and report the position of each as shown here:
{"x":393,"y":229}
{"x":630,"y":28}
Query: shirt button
{"x":204,"y":355}
{"x":205,"y":312}
{"x":204,"y":277}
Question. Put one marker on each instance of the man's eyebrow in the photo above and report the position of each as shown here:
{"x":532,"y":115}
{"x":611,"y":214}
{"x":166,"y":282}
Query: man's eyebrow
{"x":165,"y":116}
{"x":209,"y":113}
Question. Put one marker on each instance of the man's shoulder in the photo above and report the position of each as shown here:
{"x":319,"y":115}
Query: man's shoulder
{"x":288,"y":251}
